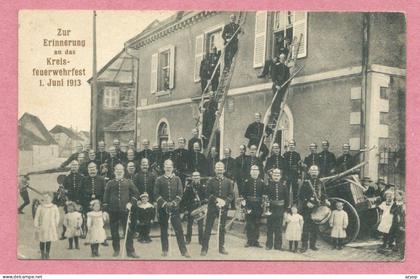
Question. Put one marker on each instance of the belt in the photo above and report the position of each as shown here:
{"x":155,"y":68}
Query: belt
{"x":254,"y":199}
{"x":277,"y":202}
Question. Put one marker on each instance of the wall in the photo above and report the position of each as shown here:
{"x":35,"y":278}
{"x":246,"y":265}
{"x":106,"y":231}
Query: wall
{"x":108,"y":116}
{"x":387,"y":44}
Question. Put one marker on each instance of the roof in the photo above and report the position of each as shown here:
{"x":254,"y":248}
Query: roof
{"x":27,"y":139}
{"x":44,"y":135}
{"x":119,"y":69}
{"x":85,"y":134}
{"x":69,"y":132}
{"x":124,"y":124}
{"x":157,"y":25}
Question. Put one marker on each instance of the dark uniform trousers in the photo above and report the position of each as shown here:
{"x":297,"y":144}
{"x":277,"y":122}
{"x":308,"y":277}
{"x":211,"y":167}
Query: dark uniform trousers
{"x":212,"y":214}
{"x":115,"y":219}
{"x":292,"y":170}
{"x":176,"y":226}
{"x":116,"y":196}
{"x":278,"y":195}
{"x":200,"y":224}
{"x":25,"y":196}
{"x":255,"y":189}
{"x":169,"y":189}
{"x":310,"y":229}
{"x":217,"y":188}
{"x":230,"y":49}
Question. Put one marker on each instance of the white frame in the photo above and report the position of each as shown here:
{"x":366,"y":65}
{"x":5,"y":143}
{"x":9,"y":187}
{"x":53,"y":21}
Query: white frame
{"x":114,"y":91}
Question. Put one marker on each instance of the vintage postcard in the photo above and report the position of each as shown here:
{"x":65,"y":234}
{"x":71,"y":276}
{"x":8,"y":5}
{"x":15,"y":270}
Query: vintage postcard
{"x":207,"y":135}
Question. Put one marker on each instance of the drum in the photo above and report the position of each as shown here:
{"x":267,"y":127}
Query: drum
{"x":199,"y":213}
{"x":321,"y":214}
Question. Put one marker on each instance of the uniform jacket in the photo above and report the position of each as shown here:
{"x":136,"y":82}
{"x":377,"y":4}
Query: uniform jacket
{"x":145,"y":182}
{"x":211,"y":161}
{"x":192,"y":191}
{"x":198,"y":163}
{"x":229,"y":32}
{"x":146,"y":153}
{"x":274,"y":162}
{"x":181,"y":159}
{"x":101,"y":157}
{"x":220,"y":188}
{"x":230,"y":168}
{"x":191,"y":143}
{"x":254,"y":189}
{"x":168,"y":189}
{"x":241,"y":166}
{"x":292,"y":159}
{"x":254,"y":161}
{"x":312,"y":159}
{"x":327,"y":161}
{"x":118,"y":193}
{"x":73,"y":185}
{"x":313,"y":191}
{"x":254,"y":132}
{"x":279,"y":73}
{"x":93,"y":187}
{"x":344,"y":162}
{"x":278,"y":191}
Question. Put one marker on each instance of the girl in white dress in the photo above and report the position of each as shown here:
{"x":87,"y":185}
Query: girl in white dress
{"x":339,"y":221}
{"x":95,"y":223}
{"x":46,"y":221}
{"x":73,"y":222}
{"x":386,"y":219}
{"x":294,"y":223}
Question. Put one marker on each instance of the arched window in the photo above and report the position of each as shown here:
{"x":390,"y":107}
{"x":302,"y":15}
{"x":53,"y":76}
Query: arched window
{"x":162,"y":132}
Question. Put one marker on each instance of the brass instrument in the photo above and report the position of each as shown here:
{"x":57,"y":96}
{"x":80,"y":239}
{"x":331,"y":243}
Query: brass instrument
{"x":266,"y":206}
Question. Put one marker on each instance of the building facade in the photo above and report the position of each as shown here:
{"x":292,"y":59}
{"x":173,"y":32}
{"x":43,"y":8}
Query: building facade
{"x":351,"y":89}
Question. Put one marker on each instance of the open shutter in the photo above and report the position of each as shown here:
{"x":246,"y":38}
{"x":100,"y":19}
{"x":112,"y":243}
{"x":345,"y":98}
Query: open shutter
{"x":172,"y":67}
{"x":199,"y":53}
{"x":260,"y":38}
{"x":153,"y":73}
{"x":300,"y":26}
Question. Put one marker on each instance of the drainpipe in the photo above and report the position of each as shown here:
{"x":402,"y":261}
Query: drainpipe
{"x":365,"y":67}
{"x":136,"y":99}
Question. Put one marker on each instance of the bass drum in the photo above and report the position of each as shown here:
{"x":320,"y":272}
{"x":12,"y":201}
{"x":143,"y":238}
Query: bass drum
{"x":353,"y":227}
{"x":199,"y":213}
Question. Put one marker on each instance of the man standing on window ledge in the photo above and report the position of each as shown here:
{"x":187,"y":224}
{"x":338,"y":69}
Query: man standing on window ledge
{"x":283,"y":48}
{"x":230,"y":35}
{"x":214,"y":59}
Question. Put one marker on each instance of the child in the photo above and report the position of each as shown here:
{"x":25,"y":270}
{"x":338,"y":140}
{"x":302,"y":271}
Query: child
{"x":73,"y":222}
{"x":145,"y":215}
{"x":397,"y":230}
{"x":46,"y":221}
{"x":294,"y":223}
{"x":95,"y":224}
{"x":339,"y":221}
{"x":23,"y":190}
{"x":386,"y":219}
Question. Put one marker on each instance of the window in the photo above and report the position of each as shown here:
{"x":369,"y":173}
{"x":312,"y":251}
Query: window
{"x":162,"y":70}
{"x":111,"y":97}
{"x":163,"y":134}
{"x":290,"y":25}
{"x":204,"y":43}
{"x":260,"y":39}
{"x":383,"y":92}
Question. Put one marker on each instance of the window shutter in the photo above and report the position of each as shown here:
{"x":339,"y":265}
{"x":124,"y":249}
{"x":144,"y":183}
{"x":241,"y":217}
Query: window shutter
{"x":153,"y":73}
{"x":172,"y":67}
{"x":199,"y":53}
{"x":260,"y":38}
{"x":300,"y":26}
{"x":280,"y":21}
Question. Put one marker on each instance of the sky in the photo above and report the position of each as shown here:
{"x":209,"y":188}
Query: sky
{"x":70,"y":105}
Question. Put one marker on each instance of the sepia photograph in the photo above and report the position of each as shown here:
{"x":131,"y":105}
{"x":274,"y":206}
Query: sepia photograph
{"x":211,"y":135}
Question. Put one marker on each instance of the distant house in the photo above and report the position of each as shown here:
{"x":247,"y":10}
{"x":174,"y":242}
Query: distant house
{"x":67,"y":140}
{"x":116,"y":100}
{"x":36,"y":145}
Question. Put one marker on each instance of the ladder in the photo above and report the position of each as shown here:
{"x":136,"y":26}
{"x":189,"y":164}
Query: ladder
{"x":222,"y":89}
{"x":269,"y":119}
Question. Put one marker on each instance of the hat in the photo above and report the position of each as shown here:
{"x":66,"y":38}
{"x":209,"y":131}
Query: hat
{"x":144,"y":195}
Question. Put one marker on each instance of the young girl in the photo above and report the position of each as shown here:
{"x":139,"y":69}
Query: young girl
{"x":386,"y":219}
{"x":95,"y":224}
{"x":46,"y":221}
{"x":339,"y":221}
{"x":73,"y":221}
{"x":398,"y":222}
{"x":294,"y":223}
